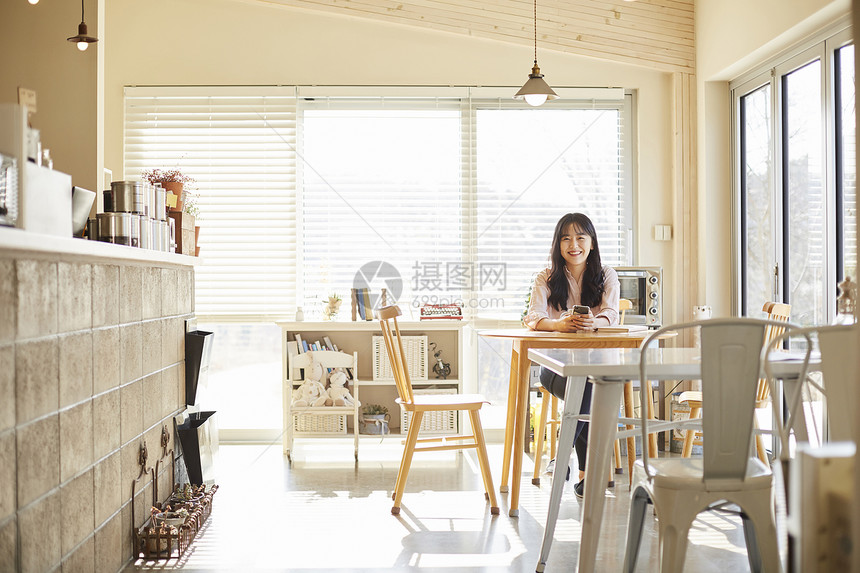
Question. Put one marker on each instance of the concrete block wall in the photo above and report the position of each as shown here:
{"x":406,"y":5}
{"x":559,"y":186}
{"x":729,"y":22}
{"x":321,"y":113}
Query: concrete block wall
{"x":91,"y":367}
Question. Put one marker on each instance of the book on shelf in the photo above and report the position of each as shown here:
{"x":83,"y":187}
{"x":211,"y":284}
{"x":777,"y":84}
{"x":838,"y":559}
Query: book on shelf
{"x":329,"y":344}
{"x":359,"y":302}
{"x":292,"y":351}
{"x":368,"y":309}
{"x":299,"y":344}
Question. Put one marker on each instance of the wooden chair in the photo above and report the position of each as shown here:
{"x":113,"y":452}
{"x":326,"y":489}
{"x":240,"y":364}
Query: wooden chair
{"x":418,"y":404}
{"x":777,"y":312}
{"x":549,"y":419}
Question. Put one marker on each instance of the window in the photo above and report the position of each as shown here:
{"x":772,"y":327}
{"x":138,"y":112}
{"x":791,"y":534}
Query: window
{"x":459,"y":197}
{"x":796,"y":180}
{"x":446,"y":196}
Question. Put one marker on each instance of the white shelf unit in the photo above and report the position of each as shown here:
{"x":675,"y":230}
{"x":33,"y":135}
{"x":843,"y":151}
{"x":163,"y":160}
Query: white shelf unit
{"x":358,"y":336}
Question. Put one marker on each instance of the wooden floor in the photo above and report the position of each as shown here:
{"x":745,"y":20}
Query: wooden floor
{"x":324,"y":512}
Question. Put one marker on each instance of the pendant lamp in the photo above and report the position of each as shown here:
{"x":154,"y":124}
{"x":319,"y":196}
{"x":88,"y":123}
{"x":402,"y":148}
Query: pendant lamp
{"x":535,"y":91}
{"x":82,"y":39}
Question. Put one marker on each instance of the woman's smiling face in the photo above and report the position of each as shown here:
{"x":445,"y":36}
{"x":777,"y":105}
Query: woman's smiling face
{"x":575,"y":246}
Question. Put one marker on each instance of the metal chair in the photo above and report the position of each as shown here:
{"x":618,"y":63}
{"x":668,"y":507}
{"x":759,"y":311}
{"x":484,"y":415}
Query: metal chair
{"x":418,"y":404}
{"x":680,"y":488}
{"x":837,"y":346}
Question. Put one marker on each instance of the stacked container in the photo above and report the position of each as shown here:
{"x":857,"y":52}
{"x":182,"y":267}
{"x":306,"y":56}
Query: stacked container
{"x":135,"y":215}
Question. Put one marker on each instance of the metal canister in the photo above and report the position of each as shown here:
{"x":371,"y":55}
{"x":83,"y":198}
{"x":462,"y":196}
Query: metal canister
{"x":145,"y":232}
{"x":160,"y":203}
{"x":155,"y":233}
{"x":127,"y":197}
{"x":164,"y":230}
{"x":119,"y":228}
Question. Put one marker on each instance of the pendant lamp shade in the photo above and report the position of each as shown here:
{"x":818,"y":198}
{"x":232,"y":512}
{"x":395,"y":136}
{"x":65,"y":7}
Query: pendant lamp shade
{"x":82,"y":38}
{"x":535,"y":91}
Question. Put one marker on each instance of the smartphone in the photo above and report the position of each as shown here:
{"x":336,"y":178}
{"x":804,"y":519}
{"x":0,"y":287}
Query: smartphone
{"x":580,"y":309}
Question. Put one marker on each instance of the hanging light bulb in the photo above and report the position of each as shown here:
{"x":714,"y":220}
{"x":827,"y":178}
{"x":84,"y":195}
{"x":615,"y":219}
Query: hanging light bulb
{"x":535,"y":91}
{"x":82,"y":39}
{"x":33,"y":2}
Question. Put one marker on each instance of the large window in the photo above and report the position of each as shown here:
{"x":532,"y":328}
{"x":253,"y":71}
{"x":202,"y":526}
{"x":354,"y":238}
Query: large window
{"x":438,"y":199}
{"x":795,"y":170}
{"x":448,"y":196}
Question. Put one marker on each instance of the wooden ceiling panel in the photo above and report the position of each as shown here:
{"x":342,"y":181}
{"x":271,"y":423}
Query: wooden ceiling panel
{"x":652,"y":33}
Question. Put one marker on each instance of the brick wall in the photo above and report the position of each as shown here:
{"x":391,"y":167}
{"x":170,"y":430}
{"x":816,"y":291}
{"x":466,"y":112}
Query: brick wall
{"x":91,"y":367}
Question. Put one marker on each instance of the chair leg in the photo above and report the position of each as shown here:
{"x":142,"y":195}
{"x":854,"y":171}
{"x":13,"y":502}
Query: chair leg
{"x":760,"y":532}
{"x":618,"y":468}
{"x":652,"y":438}
{"x":674,"y":517}
{"x":539,"y":435}
{"x":638,"y":505}
{"x":553,"y":435}
{"x":631,"y":441}
{"x":483,"y":460}
{"x":689,"y":435}
{"x":408,"y":450}
{"x":753,"y":551}
{"x":759,"y":444}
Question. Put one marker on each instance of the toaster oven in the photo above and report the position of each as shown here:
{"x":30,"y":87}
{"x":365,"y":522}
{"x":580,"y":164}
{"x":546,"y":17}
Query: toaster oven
{"x":643,"y":286}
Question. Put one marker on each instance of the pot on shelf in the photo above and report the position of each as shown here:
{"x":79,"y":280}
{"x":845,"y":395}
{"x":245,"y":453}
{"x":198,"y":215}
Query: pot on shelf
{"x":174,"y":187}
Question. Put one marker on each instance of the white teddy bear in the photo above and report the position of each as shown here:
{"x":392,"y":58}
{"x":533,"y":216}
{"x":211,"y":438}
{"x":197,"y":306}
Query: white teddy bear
{"x":312,"y":392}
{"x":337,"y":394}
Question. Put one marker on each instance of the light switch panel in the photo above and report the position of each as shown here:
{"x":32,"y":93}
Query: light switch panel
{"x":662,"y":232}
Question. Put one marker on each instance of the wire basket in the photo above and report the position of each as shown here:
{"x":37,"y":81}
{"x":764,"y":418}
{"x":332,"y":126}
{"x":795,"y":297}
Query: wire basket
{"x":439,"y":422}
{"x":314,"y":423}
{"x":415,"y":351}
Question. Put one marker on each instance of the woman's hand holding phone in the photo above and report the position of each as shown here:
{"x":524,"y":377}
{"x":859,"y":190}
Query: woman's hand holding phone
{"x":577,"y":319}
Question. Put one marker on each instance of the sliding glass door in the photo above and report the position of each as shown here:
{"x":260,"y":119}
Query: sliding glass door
{"x":795,"y":175}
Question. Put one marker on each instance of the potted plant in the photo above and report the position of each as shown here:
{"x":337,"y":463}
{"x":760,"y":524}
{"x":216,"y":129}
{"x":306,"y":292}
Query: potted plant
{"x":173,"y":180}
{"x":374,"y":419}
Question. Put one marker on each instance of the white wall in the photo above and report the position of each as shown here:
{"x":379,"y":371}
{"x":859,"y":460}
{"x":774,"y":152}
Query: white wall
{"x":734,"y":36}
{"x":34,"y":54}
{"x":224,"y":42}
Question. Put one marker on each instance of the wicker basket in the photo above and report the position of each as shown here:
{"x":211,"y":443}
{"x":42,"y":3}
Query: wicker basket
{"x":415,"y":348}
{"x":442,"y":422}
{"x":314,"y":423}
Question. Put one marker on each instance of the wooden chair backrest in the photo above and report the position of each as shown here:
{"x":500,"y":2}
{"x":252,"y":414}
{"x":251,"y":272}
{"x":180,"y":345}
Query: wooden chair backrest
{"x":624,"y":304}
{"x":394,"y":347}
{"x":779,"y":312}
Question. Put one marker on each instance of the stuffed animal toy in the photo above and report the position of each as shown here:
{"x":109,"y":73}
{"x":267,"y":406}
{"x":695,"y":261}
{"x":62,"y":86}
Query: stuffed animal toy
{"x":337,"y":393}
{"x":312,"y":392}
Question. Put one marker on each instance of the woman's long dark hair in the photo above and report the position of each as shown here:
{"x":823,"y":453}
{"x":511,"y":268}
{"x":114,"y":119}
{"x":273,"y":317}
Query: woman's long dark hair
{"x":592,"y":278}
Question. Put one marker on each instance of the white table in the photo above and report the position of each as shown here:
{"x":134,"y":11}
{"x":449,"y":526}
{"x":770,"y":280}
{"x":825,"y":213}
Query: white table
{"x":609,"y":369}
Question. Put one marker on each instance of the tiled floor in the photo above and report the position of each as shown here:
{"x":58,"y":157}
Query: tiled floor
{"x":324,"y":512}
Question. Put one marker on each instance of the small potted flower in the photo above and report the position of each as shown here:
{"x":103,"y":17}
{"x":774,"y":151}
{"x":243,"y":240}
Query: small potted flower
{"x":374,"y":420}
{"x":173,"y":180}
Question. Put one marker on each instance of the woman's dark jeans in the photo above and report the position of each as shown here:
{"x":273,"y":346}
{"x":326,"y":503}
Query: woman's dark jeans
{"x":556,"y":385}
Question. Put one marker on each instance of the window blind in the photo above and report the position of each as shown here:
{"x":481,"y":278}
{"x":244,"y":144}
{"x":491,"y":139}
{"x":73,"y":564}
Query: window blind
{"x":443,"y":198}
{"x":239,"y":146}
{"x":533,"y":165}
{"x":381,"y":196}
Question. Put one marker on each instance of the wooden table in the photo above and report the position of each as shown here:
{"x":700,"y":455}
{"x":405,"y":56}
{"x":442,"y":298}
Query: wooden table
{"x":523,"y":339}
